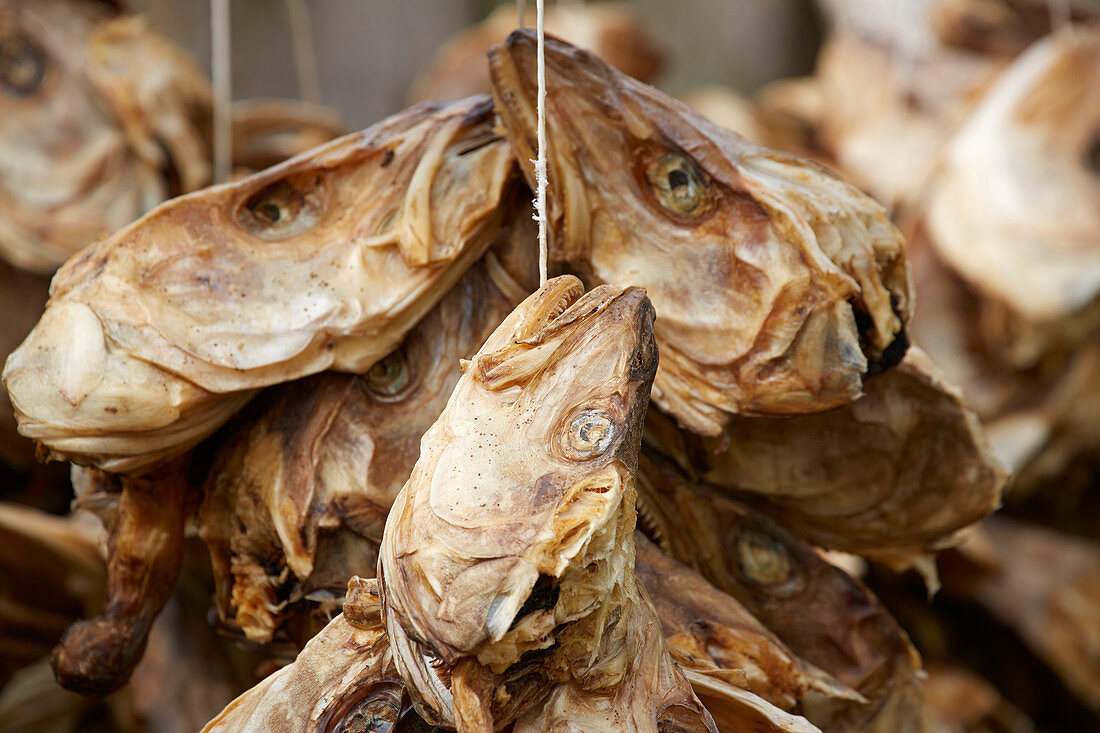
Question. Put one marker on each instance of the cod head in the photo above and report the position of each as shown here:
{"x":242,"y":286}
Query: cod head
{"x":779,"y":286}
{"x":507,"y":559}
{"x":155,"y":335}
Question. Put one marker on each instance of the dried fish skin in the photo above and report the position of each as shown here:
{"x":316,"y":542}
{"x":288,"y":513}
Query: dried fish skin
{"x":341,"y":671}
{"x":1025,"y":238}
{"x":613,"y":31}
{"x":155,"y":335}
{"x":894,"y":473}
{"x":87,"y":143}
{"x":822,"y":614}
{"x":802,"y":278}
{"x":506,"y":563}
{"x":324,"y":457}
{"x":714,"y":638}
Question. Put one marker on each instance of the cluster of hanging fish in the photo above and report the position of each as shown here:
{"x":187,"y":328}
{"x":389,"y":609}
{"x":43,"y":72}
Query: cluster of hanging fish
{"x":618,"y":501}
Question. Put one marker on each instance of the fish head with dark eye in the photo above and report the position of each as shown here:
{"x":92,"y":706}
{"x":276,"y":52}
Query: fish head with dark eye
{"x":323,"y":262}
{"x":89,"y":138}
{"x":758,"y":262}
{"x":511,"y":537}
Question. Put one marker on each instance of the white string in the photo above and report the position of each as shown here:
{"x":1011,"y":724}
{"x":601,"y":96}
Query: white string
{"x":521,"y":5}
{"x":220,"y":62}
{"x":540,"y":162}
{"x":305,"y":58}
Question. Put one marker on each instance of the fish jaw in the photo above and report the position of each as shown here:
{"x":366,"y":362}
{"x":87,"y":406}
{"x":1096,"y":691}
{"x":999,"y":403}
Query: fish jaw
{"x":513,"y":535}
{"x":322,"y":262}
{"x":779,"y":286}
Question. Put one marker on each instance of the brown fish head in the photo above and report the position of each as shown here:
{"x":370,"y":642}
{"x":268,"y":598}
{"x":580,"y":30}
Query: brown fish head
{"x":504,"y":550}
{"x":323,"y":262}
{"x":779,"y":286}
{"x":103,"y":119}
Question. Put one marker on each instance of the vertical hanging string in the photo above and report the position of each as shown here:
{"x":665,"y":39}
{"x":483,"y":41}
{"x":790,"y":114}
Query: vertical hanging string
{"x":305,"y":57}
{"x":221,"y":66}
{"x":1061,"y":15}
{"x":521,"y":6}
{"x":540,"y":162}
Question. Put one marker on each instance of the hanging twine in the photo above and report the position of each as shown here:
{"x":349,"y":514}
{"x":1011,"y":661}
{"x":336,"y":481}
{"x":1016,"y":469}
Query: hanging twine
{"x":540,"y":161}
{"x":220,"y":63}
{"x":305,"y":58}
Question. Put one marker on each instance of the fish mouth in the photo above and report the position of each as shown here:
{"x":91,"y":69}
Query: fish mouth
{"x":562,"y":305}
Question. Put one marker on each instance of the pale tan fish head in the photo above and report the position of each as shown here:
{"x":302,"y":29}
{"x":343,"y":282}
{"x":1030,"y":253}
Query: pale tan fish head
{"x":103,"y":119}
{"x":155,"y":335}
{"x":779,"y":286}
{"x":1016,"y":212}
{"x":507,"y":560}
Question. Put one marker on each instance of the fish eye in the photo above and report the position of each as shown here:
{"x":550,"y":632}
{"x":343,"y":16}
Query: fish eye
{"x":679,"y":185}
{"x":388,"y":377}
{"x":587,"y":434}
{"x":22,"y":65}
{"x":764,"y":560}
{"x":284,"y":208}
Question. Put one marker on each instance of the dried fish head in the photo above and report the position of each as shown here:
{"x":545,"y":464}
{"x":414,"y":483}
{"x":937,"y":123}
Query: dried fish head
{"x":506,"y":563}
{"x":892,"y":475}
{"x":155,"y":335}
{"x":779,"y":286}
{"x":526,"y":475}
{"x":822,"y":614}
{"x":1017,"y":209}
{"x":103,"y":119}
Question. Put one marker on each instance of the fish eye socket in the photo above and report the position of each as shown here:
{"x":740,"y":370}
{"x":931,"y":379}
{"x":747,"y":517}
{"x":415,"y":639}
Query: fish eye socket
{"x":388,"y":377}
{"x":679,"y":185}
{"x":22,"y":65}
{"x":587,"y":434}
{"x":764,"y":560}
{"x":282,"y":209}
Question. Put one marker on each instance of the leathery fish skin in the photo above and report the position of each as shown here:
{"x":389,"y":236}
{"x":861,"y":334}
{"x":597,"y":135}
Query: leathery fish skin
{"x":506,"y":565}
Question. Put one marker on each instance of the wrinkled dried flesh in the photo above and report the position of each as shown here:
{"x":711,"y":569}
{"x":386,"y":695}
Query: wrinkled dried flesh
{"x":710,"y":634}
{"x":892,"y":474}
{"x":1046,"y":587}
{"x":822,"y":614}
{"x":154,"y":336}
{"x":613,"y":31}
{"x":110,"y":121}
{"x":506,"y":559}
{"x":144,"y":552}
{"x":342,"y":681}
{"x":802,"y":278}
{"x":308,"y":473}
